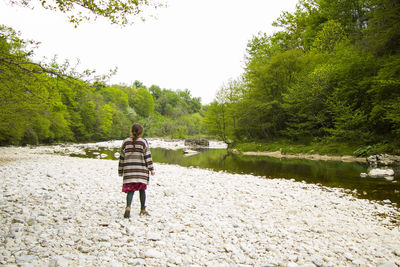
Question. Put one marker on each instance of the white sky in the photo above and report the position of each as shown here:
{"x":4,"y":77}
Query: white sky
{"x":194,"y":44}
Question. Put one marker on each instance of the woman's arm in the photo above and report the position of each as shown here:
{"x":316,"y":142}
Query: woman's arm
{"x":121,"y":160}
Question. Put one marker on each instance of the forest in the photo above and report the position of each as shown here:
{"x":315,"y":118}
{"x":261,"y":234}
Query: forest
{"x":330,"y":75}
{"x":48,"y":103}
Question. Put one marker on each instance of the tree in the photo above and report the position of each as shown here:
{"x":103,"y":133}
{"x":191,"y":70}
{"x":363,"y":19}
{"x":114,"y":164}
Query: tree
{"x":331,"y":73}
{"x":144,"y":104}
{"x":191,"y":104}
{"x":352,"y":14}
{"x":155,"y":91}
{"x":215,"y":120}
{"x":329,"y":36}
{"x":116,"y":11}
{"x":385,"y":95}
{"x":23,"y":88}
{"x":383,"y":31}
{"x":266,"y":80}
{"x":115,"y":95}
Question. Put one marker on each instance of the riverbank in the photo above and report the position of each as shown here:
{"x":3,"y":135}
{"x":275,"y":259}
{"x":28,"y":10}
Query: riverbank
{"x":79,"y":148}
{"x":64,"y":211}
{"x":278,"y":154}
{"x":313,"y":151}
{"x":324,"y":149}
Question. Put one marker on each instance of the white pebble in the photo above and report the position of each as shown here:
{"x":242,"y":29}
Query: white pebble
{"x":153,"y":253}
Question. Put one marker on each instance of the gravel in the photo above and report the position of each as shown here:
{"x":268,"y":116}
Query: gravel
{"x":65,"y":211}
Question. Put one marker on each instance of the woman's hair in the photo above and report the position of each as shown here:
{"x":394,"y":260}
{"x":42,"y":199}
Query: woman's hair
{"x":136,"y":130}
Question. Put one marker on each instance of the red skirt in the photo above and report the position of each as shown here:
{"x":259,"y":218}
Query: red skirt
{"x":133,"y":187}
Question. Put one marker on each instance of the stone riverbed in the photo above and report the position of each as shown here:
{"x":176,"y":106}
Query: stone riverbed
{"x":65,"y":211}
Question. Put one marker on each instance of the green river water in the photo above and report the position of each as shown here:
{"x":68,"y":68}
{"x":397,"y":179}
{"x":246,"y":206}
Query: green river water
{"x":328,"y":173}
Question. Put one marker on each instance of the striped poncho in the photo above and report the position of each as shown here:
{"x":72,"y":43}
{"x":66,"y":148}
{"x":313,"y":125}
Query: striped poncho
{"x":135,"y":161}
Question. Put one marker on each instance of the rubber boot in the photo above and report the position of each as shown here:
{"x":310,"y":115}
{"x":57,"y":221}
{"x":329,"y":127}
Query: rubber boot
{"x":144,"y":212}
{"x":127,"y":213}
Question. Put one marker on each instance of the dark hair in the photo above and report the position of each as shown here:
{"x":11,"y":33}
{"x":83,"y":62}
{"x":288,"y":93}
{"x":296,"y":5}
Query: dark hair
{"x":136,"y":130}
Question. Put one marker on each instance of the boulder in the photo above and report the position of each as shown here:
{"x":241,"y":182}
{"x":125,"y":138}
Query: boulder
{"x":189,"y":152}
{"x":197,"y":142}
{"x":383,"y":160}
{"x":380,"y":172}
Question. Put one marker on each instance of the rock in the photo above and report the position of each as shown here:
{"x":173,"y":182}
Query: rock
{"x":116,"y":264}
{"x":359,"y":262}
{"x":197,"y":142}
{"x":189,"y":152}
{"x":31,"y":221}
{"x":383,"y":160}
{"x":229,"y":248}
{"x":239,"y":256}
{"x":84,"y":249}
{"x":177,"y":260}
{"x":153,"y":253}
{"x":363,"y":175}
{"x":375,"y":173}
{"x":86,"y":242}
{"x":130,"y":230}
{"x":154,"y":236}
{"x":212,"y":250}
{"x":18,"y":220}
{"x":244,"y":248}
{"x":387,"y":264}
{"x":318,"y":262}
{"x":387,"y":201}
{"x":104,"y":238}
{"x":349,"y":256}
{"x":389,"y":178}
{"x":24,"y":258}
{"x":137,"y":262}
{"x":10,"y":235}
{"x":59,"y":261}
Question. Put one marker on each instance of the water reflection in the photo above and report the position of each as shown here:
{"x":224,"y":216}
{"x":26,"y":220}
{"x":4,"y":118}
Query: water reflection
{"x":329,"y":173}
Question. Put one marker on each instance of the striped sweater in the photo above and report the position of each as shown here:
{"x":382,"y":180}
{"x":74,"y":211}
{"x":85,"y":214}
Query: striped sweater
{"x":135,"y":161}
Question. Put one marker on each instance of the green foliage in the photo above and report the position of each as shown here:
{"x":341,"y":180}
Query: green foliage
{"x":286,"y":146}
{"x":383,"y":31}
{"x":116,"y":96}
{"x":45,"y":105}
{"x":215,"y":120}
{"x":362,"y":151}
{"x":330,"y":76}
{"x":349,"y":125}
{"x":174,"y":103}
{"x":117,"y":12}
{"x":329,"y":36}
{"x":144,"y":104}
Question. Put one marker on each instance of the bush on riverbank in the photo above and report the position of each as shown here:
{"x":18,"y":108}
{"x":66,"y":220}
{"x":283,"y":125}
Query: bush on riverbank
{"x":323,"y":148}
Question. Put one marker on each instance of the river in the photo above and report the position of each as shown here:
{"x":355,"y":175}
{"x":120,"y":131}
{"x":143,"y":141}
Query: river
{"x":327,"y":173}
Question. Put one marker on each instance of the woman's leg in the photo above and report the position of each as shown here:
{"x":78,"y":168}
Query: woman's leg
{"x":142,"y":199}
{"x":129,"y":197}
